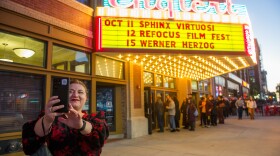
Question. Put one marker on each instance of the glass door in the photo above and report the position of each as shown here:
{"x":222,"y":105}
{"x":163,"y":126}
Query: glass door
{"x":105,"y":102}
{"x":149,"y":100}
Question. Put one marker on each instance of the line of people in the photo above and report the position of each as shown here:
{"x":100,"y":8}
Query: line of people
{"x":174,"y":113}
{"x":212,"y":111}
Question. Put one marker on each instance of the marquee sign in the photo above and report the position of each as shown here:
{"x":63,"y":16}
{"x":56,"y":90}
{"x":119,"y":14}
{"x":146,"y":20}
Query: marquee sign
{"x":124,"y":34}
{"x":173,"y":6}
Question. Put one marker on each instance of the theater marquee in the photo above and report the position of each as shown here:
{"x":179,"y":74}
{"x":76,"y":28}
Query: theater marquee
{"x":182,"y":36}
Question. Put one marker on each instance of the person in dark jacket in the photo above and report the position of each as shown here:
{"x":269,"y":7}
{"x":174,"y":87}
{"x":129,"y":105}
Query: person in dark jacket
{"x":177,"y":113}
{"x":213,"y":111}
{"x":209,"y":107}
{"x":160,"y":112}
{"x":191,"y":117}
{"x":220,"y":109}
{"x":183,"y":110}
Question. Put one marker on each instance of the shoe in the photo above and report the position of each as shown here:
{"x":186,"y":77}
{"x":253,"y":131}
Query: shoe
{"x":178,"y":130}
{"x":160,"y":131}
{"x":173,"y":130}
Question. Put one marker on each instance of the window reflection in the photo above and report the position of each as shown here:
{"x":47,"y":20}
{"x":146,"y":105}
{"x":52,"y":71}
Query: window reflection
{"x":169,"y":82}
{"x":70,"y":60}
{"x":200,"y":86}
{"x":21,"y":99}
{"x":194,"y":85}
{"x":148,"y":78}
{"x":159,"y":80}
{"x":206,"y":88}
{"x":9,"y":42}
{"x":109,"y":67}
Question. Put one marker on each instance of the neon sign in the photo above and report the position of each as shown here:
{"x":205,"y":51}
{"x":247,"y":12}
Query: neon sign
{"x":196,"y":6}
{"x":248,"y":40}
{"x":143,"y":34}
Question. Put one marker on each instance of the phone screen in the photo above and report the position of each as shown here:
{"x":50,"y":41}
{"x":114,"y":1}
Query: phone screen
{"x":61,"y":89}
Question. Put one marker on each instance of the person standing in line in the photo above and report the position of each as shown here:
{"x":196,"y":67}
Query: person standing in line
{"x":214,"y":111}
{"x":171,"y":112}
{"x":160,"y":112}
{"x":200,"y":111}
{"x":183,"y":110}
{"x":203,"y":112}
{"x":177,"y":113}
{"x":71,"y":133}
{"x":251,"y":104}
{"x":191,"y":117}
{"x":233,"y":107}
{"x":220,"y":110}
{"x":239,"y":105}
{"x":226,"y":108}
{"x":166,"y":114}
{"x":209,"y":107}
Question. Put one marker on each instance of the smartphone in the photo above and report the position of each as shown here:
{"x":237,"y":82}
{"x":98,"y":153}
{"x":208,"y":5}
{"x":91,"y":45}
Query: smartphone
{"x":60,"y":88}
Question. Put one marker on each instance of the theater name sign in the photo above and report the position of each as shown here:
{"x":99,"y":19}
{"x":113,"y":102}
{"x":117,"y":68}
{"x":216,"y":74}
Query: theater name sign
{"x":182,"y":26}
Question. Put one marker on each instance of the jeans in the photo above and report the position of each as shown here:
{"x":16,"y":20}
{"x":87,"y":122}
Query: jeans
{"x":160,"y":121}
{"x":240,"y":112}
{"x":172,"y":122}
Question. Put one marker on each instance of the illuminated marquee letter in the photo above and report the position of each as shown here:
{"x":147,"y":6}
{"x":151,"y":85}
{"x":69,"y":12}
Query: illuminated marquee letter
{"x":169,"y":7}
{"x":197,"y":3}
{"x":183,"y":7}
{"x":115,"y":4}
{"x":147,"y":5}
{"x":228,"y":9}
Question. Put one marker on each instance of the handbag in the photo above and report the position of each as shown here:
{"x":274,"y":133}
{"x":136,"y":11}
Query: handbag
{"x":195,"y":112}
{"x":43,"y":150}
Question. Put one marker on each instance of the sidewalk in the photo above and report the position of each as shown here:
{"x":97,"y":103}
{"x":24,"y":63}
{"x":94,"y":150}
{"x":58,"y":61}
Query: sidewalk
{"x":259,"y":137}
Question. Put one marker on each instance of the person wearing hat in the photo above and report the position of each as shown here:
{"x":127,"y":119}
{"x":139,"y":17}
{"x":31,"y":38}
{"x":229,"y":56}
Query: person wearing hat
{"x":171,"y":113}
{"x":159,"y":112}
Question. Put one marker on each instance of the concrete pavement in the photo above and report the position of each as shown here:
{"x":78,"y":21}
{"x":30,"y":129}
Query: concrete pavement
{"x":259,"y":137}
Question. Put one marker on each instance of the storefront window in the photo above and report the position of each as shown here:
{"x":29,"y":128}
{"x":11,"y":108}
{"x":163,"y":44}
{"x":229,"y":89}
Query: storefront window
{"x":206,"y":87}
{"x":21,"y":99}
{"x":169,"y":82}
{"x":200,"y":86}
{"x":159,"y":80}
{"x":105,"y":102}
{"x":194,"y":85}
{"x":70,"y":60}
{"x":22,"y":49}
{"x":220,"y":81}
{"x":219,"y":91}
{"x":109,"y":67}
{"x":148,"y":79}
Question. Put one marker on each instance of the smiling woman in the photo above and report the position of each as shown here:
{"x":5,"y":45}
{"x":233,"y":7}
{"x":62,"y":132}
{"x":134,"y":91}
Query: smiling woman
{"x":63,"y":133}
